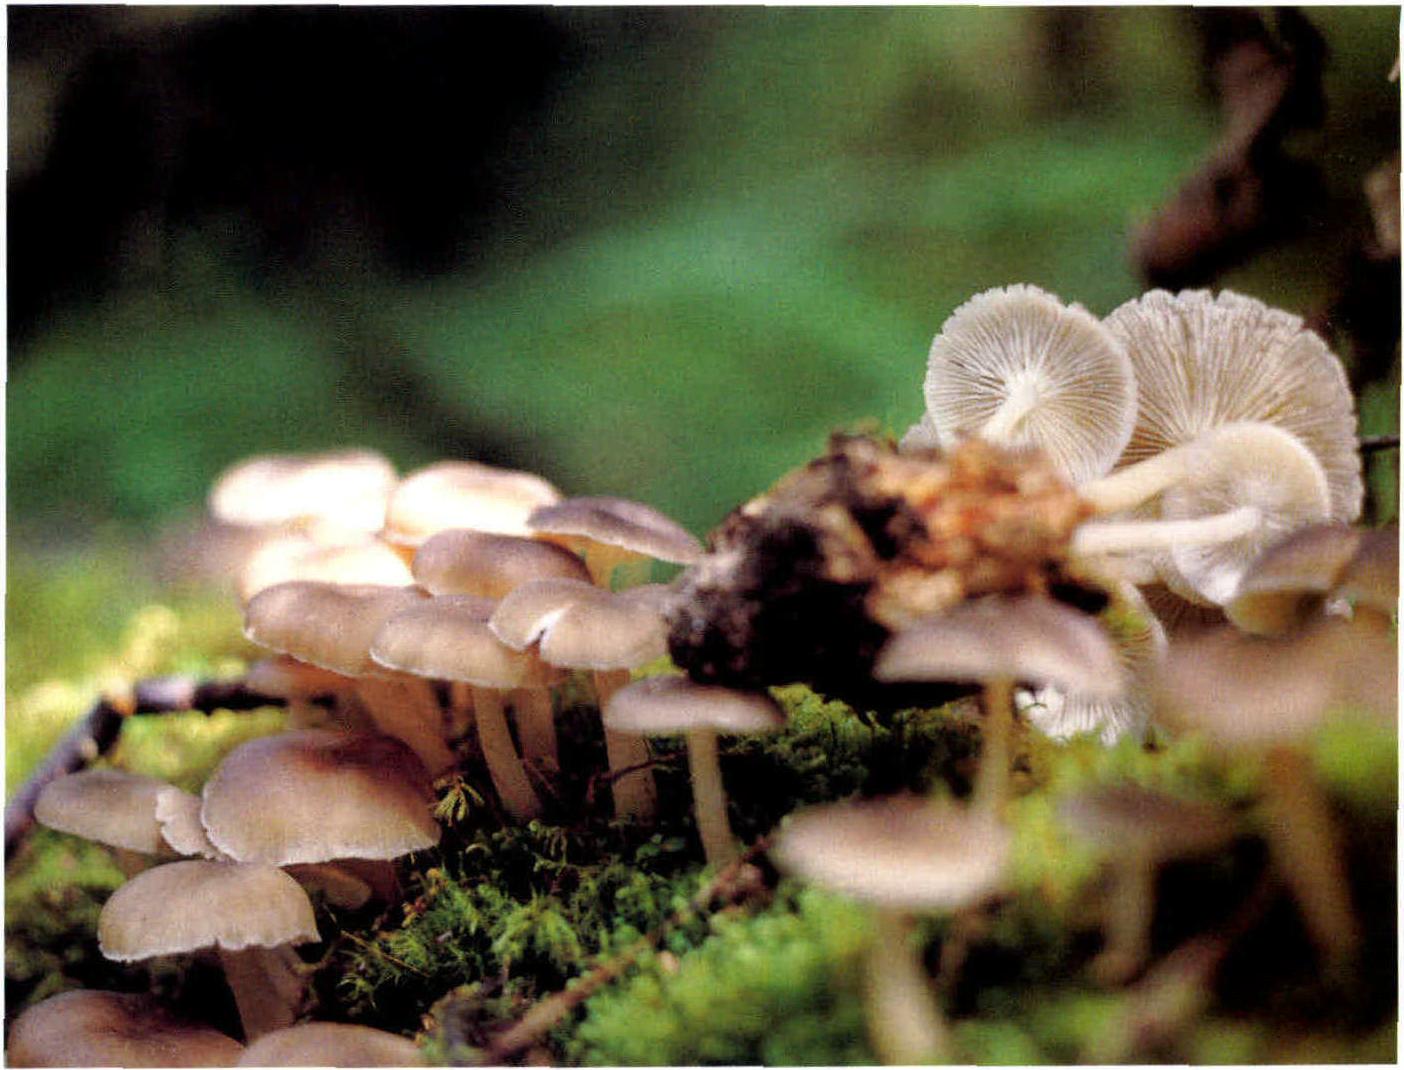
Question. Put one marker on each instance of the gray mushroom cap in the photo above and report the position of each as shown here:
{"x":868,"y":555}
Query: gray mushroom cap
{"x":331,"y":1044}
{"x":1277,"y":591}
{"x":90,"y":1028}
{"x":107,"y":806}
{"x":902,"y":853}
{"x":326,"y":624}
{"x":1029,"y":639}
{"x":604,"y":631}
{"x":447,"y":638}
{"x":620,"y":522}
{"x":459,"y":561}
{"x":668,"y":705}
{"x":523,"y":616}
{"x":1128,"y":817}
{"x":229,"y":905}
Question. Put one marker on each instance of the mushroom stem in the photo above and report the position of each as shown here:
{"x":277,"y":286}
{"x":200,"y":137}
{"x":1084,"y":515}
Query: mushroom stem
{"x":1304,"y":844}
{"x":635,"y":794}
{"x":503,"y":765}
{"x":1125,"y":536}
{"x":536,"y":725}
{"x":1022,"y":399}
{"x":992,"y":778}
{"x":709,"y":798}
{"x":407,"y":710}
{"x":267,"y":985}
{"x":460,"y":708}
{"x":904,"y":1023}
{"x":1132,"y":896}
{"x":1139,"y":482}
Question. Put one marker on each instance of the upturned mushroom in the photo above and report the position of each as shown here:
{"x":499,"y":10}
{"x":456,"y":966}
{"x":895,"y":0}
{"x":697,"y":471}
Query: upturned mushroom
{"x":90,"y":1028}
{"x":1017,"y":367}
{"x":674,"y":705}
{"x":903,"y":856}
{"x":1000,"y":642}
{"x":610,"y":532}
{"x":251,"y":914}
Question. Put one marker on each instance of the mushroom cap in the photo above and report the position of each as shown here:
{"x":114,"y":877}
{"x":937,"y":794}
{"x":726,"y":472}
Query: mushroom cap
{"x":315,"y":795}
{"x":1277,"y":590}
{"x":1203,"y":361}
{"x":296,"y":556}
{"x":1018,"y":341}
{"x":1241,"y":464}
{"x":1030,"y":639}
{"x":902,"y":852}
{"x":1130,"y":818}
{"x":88,"y":1028}
{"x":922,"y":435}
{"x":1245,"y":690}
{"x":447,"y":638}
{"x":603,"y":630}
{"x":459,"y":561}
{"x":106,"y":806}
{"x":349,"y":487}
{"x":667,"y":705}
{"x":523,"y":616}
{"x":464,"y":494}
{"x":231,"y":905}
{"x":331,"y":1044}
{"x":178,"y":813}
{"x":328,"y":625}
{"x":619,"y":522}
{"x":1371,"y":577}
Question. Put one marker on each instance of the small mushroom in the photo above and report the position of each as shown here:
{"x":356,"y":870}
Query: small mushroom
{"x":298,"y":556}
{"x":252,"y":914}
{"x":673,"y":705}
{"x":1017,"y":367}
{"x":462,"y":494}
{"x":107,"y":806}
{"x":89,"y":1028}
{"x":1139,"y":828}
{"x":610,"y":532}
{"x":480,"y":563}
{"x":331,"y":1044}
{"x":348,"y":487}
{"x":1282,"y":588}
{"x":902,"y":855}
{"x":1000,"y":642}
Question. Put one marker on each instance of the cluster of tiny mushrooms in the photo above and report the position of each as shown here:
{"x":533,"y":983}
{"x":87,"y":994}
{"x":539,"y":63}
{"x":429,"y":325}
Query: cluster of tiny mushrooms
{"x":1203,"y":453}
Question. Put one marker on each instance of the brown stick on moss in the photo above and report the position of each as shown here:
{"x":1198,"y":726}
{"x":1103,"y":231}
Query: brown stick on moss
{"x":95,"y":734}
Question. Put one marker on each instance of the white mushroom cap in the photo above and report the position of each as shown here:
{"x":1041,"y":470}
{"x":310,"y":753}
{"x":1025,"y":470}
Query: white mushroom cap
{"x":326,"y":624}
{"x":331,"y":1044}
{"x":669,"y":705}
{"x":315,"y":795}
{"x":922,"y":435}
{"x":604,"y":631}
{"x":620,"y":522}
{"x":464,"y":494}
{"x":902,"y":853}
{"x":447,"y":638}
{"x":523,"y":616}
{"x":1203,"y":361}
{"x":297,"y":556}
{"x":1017,"y":366}
{"x":1033,"y":640}
{"x":349,"y":487}
{"x":87,"y":1028}
{"x":1253,"y":465}
{"x":184,"y":906}
{"x":106,"y":806}
{"x":459,"y":561}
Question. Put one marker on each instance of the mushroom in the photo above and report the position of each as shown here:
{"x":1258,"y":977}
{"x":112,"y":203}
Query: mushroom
{"x":88,"y":1028}
{"x":331,"y":626}
{"x":462,"y":494}
{"x":107,"y":806}
{"x":178,"y":814}
{"x":447,"y":638}
{"x":901,"y":855}
{"x":331,"y":1044}
{"x":252,"y":914}
{"x":1139,"y":828}
{"x":1017,"y":367}
{"x":1269,"y":694}
{"x":459,"y":561}
{"x":672,"y":705}
{"x":298,"y":556}
{"x":610,"y":532}
{"x":1001,"y":641}
{"x":347,"y":487}
{"x":1282,"y":588}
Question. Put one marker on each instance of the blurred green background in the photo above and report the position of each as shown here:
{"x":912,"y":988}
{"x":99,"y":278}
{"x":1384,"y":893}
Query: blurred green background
{"x":705,"y":238}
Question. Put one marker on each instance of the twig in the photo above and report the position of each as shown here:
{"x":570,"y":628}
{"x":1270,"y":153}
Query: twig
{"x":546,"y":1013}
{"x":1369,"y":443}
{"x":97,"y":732}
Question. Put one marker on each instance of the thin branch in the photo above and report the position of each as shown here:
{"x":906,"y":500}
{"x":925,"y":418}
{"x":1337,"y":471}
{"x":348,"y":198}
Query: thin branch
{"x":97,"y":732}
{"x":1370,"y":443}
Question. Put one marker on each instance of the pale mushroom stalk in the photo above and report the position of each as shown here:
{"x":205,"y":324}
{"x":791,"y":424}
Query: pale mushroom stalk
{"x":505,"y":768}
{"x":407,"y":710}
{"x":1023,"y":398}
{"x":267,"y":983}
{"x":459,"y":714}
{"x":1132,"y":896}
{"x":536,"y":724}
{"x":992,"y":778}
{"x":904,"y":1023}
{"x":635,"y":794}
{"x":1140,"y":482}
{"x":709,"y":798}
{"x":1126,"y":536}
{"x":1300,"y":834}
